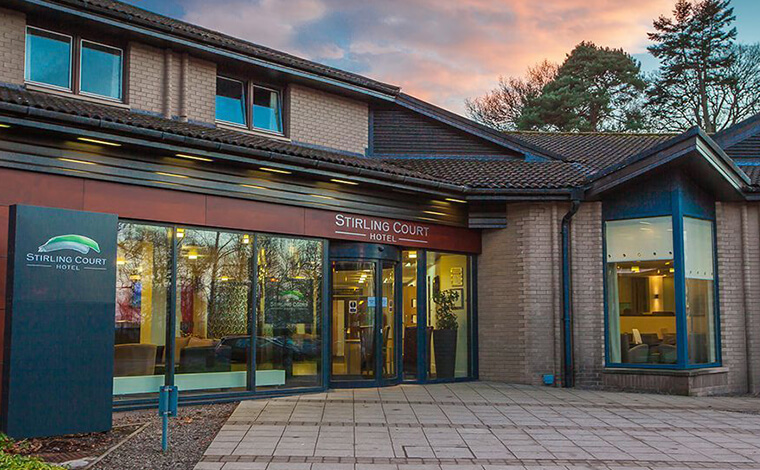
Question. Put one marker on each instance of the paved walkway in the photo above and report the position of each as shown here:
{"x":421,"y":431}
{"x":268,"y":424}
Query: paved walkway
{"x":487,"y":426}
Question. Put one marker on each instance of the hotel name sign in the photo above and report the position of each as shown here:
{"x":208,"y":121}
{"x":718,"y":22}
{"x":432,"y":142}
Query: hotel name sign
{"x":362,"y":228}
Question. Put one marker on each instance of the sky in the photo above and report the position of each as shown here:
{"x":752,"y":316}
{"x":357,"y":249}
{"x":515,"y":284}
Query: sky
{"x":442,"y":51}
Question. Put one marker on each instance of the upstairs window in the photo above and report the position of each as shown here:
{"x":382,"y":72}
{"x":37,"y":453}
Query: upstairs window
{"x":48,"y":58}
{"x":96,"y":70}
{"x":230,"y":101}
{"x":266,"y":110}
{"x":248,"y":105}
{"x":100,"y":70}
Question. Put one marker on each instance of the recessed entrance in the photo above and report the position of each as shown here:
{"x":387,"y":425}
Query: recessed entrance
{"x":364,"y":348}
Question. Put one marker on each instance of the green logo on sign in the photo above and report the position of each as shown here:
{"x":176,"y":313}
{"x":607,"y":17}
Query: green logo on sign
{"x":78,"y":243}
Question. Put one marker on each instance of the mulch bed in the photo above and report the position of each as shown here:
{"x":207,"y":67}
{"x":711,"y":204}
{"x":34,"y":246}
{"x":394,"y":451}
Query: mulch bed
{"x":189,"y":435}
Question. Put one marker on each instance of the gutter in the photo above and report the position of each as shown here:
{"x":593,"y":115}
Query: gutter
{"x":567,"y":326}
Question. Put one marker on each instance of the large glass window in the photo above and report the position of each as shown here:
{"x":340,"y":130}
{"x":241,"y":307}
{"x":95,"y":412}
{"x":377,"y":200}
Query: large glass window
{"x":266,"y":109}
{"x":700,"y":303}
{"x":641,"y":291}
{"x":143,"y":277}
{"x":213,"y":308}
{"x":230,"y":101}
{"x":100,"y":70}
{"x":447,"y":287}
{"x":289,"y":312}
{"x":48,"y":58}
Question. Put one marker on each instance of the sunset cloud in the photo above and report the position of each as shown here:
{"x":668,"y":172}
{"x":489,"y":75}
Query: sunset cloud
{"x":441,"y":51}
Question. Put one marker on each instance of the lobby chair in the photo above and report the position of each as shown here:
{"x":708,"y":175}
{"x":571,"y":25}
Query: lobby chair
{"x":639,"y":354}
{"x":135,"y":359}
{"x":668,"y":354}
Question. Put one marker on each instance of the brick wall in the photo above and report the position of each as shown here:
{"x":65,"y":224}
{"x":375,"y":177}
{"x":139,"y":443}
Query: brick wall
{"x":327,"y":120}
{"x":156,"y":84}
{"x":518,"y":296}
{"x":12,"y":32}
{"x":587,"y":283}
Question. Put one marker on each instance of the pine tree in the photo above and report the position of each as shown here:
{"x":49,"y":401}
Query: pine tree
{"x":697,"y":57}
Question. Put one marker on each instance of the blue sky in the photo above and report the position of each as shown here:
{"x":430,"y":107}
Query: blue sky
{"x":437,"y":50}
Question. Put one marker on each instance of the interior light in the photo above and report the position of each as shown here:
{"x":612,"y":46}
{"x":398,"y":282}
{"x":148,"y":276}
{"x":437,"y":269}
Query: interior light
{"x":275,"y":170}
{"x":672,"y":270}
{"x":193,"y":157}
{"x":71,"y":160}
{"x":434,"y":213}
{"x":634,"y":269}
{"x":246,"y":239}
{"x":134,"y":277}
{"x":192,"y":256}
{"x":412,"y":254}
{"x":121,"y":262}
{"x":459,"y":201}
{"x":180,"y":232}
{"x":5,"y":126}
{"x":96,"y":141}
{"x":299,"y":277}
{"x":173,"y":175}
{"x":224,"y":278}
{"x":336,"y":180}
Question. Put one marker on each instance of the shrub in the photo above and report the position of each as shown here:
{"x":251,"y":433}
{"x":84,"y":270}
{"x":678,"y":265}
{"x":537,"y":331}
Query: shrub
{"x":19,"y":462}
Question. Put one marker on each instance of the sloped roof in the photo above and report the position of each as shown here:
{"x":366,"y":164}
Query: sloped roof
{"x":496,"y":173}
{"x":593,"y":150}
{"x":22,"y":101}
{"x":138,"y":16}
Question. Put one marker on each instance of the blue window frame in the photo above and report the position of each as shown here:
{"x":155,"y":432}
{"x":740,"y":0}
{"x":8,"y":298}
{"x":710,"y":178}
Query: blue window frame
{"x":100,"y":70}
{"x":661,"y":308}
{"x":48,"y":58}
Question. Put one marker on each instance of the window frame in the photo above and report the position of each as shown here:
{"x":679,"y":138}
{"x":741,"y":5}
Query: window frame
{"x":249,"y":87}
{"x":75,"y":66}
{"x":682,"y":360}
{"x":253,"y":87}
{"x":243,"y":86}
{"x":72,"y":60}
{"x":81,"y":42}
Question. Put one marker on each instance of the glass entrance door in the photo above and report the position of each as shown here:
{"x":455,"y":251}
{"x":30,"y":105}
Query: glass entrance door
{"x":364,"y":347}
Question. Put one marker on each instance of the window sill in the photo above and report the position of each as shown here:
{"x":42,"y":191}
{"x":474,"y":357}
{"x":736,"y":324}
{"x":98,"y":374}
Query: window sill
{"x":69,"y":94}
{"x":246,"y":130}
{"x":669,"y":372}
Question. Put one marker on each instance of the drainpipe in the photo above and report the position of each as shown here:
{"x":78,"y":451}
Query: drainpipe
{"x":567,"y":332}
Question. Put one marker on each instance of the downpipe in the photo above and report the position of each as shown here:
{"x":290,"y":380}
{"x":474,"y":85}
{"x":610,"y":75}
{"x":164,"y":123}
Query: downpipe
{"x":567,"y":330}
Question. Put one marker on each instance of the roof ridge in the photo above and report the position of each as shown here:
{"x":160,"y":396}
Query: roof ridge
{"x":599,"y":133}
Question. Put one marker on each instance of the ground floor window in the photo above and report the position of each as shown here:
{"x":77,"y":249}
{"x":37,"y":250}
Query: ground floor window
{"x":644,"y":321}
{"x":447,"y":316}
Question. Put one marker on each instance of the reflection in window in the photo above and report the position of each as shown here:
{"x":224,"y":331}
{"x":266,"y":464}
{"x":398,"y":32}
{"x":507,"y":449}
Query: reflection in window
{"x":700,"y":316}
{"x":230,"y":101}
{"x":213,"y":305}
{"x":288,"y":308}
{"x":641,"y":291}
{"x":101,"y":70}
{"x":266,"y":110}
{"x":447,"y":278}
{"x":143,"y":277}
{"x":48,"y":58}
{"x":409,"y":310}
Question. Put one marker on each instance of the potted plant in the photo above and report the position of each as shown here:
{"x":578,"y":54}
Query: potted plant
{"x":445,"y":334}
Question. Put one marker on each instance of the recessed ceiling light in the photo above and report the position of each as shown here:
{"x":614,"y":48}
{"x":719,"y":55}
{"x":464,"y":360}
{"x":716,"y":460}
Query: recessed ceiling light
{"x":320,"y":196}
{"x":459,"y":201}
{"x":5,"y":126}
{"x":275,"y":170}
{"x":71,"y":160}
{"x":336,"y":180}
{"x":193,"y":157}
{"x":434,"y":213}
{"x":252,"y":186}
{"x":173,"y":175}
{"x":96,"y":141}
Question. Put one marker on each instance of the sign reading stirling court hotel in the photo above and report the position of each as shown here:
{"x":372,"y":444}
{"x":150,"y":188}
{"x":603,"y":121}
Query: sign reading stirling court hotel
{"x":362,"y":228}
{"x":58,"y":341}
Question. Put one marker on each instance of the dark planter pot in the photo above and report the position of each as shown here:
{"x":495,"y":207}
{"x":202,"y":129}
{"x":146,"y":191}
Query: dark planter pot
{"x":445,"y":342}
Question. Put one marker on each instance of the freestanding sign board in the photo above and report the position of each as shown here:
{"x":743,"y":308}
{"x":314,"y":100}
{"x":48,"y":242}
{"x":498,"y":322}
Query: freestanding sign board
{"x":59,"y":330}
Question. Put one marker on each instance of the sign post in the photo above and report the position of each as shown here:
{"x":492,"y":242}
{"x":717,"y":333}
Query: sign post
{"x":167,"y":407}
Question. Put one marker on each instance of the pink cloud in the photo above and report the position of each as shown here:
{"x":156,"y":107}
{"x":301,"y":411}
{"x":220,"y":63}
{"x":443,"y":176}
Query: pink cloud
{"x":437,"y":50}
